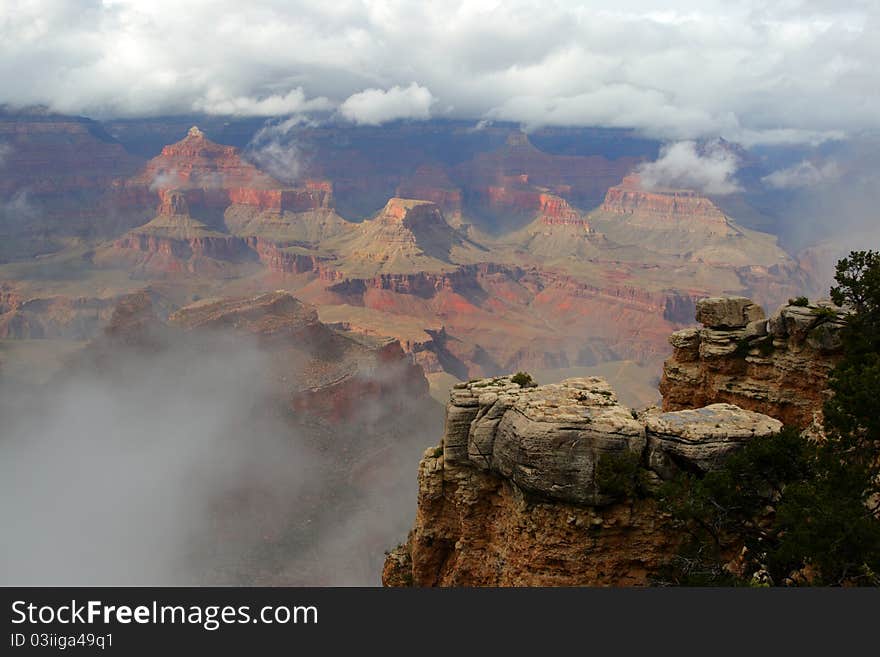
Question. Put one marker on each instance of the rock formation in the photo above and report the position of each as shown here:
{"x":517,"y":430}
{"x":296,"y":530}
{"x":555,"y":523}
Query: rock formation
{"x":684,"y":223}
{"x":523,"y":300}
{"x":778,"y":366}
{"x":407,"y":235}
{"x":25,"y":316}
{"x":214,"y":208}
{"x":329,"y":374}
{"x":524,"y":490}
{"x":657,"y":206}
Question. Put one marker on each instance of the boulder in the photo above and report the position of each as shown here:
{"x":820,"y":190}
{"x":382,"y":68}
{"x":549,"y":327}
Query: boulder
{"x":551,"y":439}
{"x":699,"y":440}
{"x":826,"y":337}
{"x":728,"y":312}
{"x":798,"y":320}
{"x":686,"y":342}
{"x":717,"y":343}
{"x":756,"y":329}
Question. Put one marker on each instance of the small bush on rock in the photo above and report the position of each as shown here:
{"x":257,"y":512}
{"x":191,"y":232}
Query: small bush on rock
{"x":523,"y":379}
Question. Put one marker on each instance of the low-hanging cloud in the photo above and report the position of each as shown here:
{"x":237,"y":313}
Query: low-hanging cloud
{"x":378,"y":106}
{"x":275,"y":150}
{"x":184,"y":465}
{"x":710,"y":169}
{"x":803,"y":174}
{"x":292,"y":102}
{"x":105,"y":483}
{"x":749,"y":71}
{"x":18,"y":209}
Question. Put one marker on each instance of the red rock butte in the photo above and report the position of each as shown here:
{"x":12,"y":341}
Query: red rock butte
{"x":630,"y":197}
{"x":555,"y":211}
{"x":216,"y":175}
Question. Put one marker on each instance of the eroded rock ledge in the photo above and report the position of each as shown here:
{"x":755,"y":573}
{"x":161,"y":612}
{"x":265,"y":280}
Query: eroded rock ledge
{"x":518,"y":491}
{"x":778,"y":366}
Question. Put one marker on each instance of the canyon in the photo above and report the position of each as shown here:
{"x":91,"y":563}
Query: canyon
{"x":394,"y":268}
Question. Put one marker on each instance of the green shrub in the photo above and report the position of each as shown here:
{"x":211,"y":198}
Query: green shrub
{"x":523,"y":379}
{"x":621,"y":475}
{"x":823,"y":312}
{"x":799,"y":301}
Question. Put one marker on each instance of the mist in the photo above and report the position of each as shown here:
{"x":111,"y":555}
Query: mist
{"x":182,"y":468}
{"x":710,"y":169}
{"x":275,"y":149}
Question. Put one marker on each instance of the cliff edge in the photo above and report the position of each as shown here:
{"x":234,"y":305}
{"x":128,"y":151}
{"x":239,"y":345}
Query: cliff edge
{"x":551,"y":485}
{"x":531,"y":485}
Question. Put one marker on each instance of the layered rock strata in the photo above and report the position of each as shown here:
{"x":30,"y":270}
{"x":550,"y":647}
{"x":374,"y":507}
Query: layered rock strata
{"x":666,"y":205}
{"x":524,"y":489}
{"x":778,"y":366}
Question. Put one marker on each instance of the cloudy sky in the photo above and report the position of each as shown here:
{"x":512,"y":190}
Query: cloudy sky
{"x":798,"y":71}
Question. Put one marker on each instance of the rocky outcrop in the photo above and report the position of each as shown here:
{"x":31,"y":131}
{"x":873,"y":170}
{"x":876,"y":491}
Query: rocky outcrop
{"x":546,"y":439}
{"x":777,"y":366}
{"x":671,"y":206}
{"x":274,"y":315}
{"x":195,"y":162}
{"x":699,"y":440}
{"x":555,"y":211}
{"x":530,"y":485}
{"x":728,"y":312}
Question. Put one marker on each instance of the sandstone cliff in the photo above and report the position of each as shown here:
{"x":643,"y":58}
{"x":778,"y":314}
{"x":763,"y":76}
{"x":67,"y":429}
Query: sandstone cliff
{"x":57,"y":177}
{"x":777,"y":366}
{"x":525,"y":487}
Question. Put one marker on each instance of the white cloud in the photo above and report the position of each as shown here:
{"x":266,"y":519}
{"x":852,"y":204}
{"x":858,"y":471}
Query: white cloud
{"x":293,"y":102}
{"x":274,"y":148}
{"x":5,"y":152}
{"x":749,"y":71}
{"x":710,"y":169}
{"x":803,"y":174}
{"x":375,"y":106}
